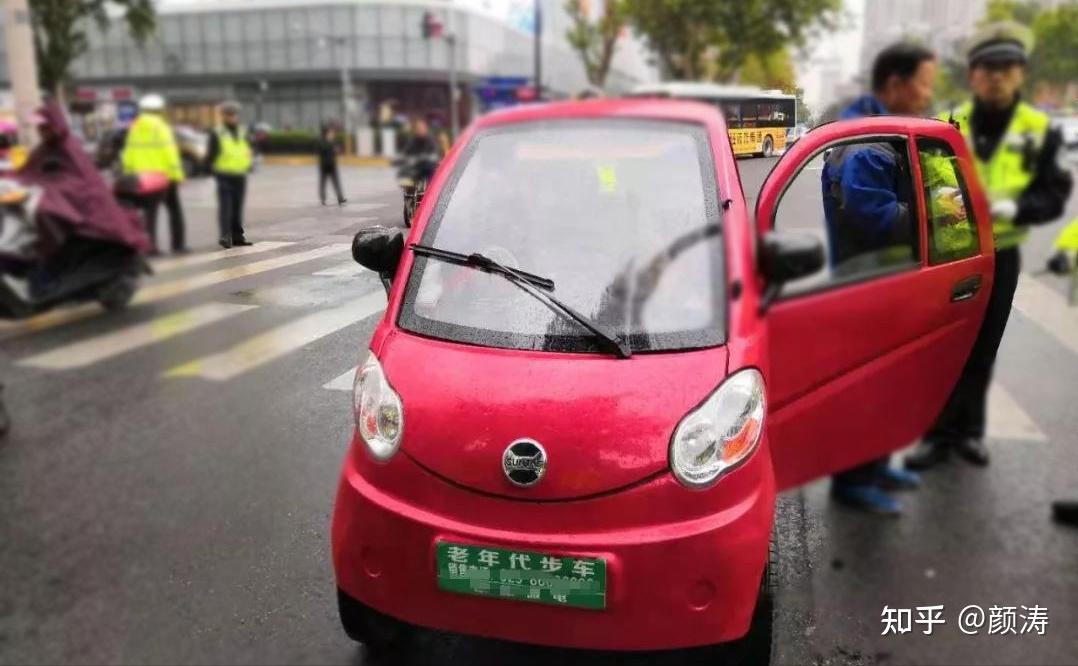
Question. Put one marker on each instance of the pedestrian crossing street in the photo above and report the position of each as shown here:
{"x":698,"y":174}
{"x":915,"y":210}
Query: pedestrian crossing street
{"x":1008,"y":419}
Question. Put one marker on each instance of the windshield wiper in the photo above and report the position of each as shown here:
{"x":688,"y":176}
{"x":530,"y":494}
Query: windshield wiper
{"x":535,"y":285}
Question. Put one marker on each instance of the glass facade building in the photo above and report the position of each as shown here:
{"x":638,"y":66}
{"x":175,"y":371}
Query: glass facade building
{"x":285,"y":59}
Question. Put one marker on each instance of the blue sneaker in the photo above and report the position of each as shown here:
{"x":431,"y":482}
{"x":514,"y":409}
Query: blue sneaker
{"x":866,"y":498}
{"x":892,"y":478}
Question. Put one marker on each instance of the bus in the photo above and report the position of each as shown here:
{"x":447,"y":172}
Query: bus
{"x":757,"y":119}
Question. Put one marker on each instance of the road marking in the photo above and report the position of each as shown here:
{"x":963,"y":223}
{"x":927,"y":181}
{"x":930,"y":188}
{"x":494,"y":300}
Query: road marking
{"x":165,"y":290}
{"x":280,"y":341}
{"x":1007,"y":420}
{"x":342,"y":382}
{"x":167,"y":264}
{"x":101,"y":347}
{"x":347,"y":269}
{"x":1047,"y":309}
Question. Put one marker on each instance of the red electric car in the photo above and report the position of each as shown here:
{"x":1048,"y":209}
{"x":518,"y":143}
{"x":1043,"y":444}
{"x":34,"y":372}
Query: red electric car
{"x":599,"y":364}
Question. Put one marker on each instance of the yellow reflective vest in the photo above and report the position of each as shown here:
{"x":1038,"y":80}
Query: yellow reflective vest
{"x":150,"y":147}
{"x":1068,"y":238}
{"x":1010,"y":170}
{"x":234,"y":158}
{"x":957,"y":239}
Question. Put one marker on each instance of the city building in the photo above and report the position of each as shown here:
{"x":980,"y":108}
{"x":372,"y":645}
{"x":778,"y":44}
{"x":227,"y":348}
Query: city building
{"x":940,"y":25}
{"x":298,"y":63}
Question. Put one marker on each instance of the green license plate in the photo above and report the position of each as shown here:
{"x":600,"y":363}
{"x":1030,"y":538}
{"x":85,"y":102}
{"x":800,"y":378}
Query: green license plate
{"x":579,"y":582}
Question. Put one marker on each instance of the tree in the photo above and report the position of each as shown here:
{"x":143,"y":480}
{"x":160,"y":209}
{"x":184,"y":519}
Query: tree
{"x":1010,"y":10}
{"x":1055,"y":54}
{"x":60,"y":31}
{"x":595,"y":41}
{"x":769,"y":70}
{"x":696,"y":39}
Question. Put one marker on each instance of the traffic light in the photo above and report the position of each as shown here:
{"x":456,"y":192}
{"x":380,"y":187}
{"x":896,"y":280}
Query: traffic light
{"x":432,"y":27}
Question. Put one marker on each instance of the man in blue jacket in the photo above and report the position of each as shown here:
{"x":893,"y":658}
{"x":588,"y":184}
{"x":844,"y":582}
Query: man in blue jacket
{"x":866,"y":196}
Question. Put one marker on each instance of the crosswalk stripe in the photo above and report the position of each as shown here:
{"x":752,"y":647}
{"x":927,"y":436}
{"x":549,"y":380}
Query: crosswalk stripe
{"x":280,"y":341}
{"x":1048,"y":309}
{"x":101,"y":347}
{"x":167,"y":264}
{"x":345,"y":269}
{"x":1007,"y":420}
{"x":165,"y":290}
{"x":342,"y":382}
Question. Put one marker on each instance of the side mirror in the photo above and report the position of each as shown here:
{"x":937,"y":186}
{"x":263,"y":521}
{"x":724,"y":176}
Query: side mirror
{"x":787,"y":256}
{"x":379,"y":249}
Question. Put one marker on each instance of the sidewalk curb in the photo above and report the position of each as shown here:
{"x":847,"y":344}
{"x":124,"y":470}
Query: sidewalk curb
{"x":311,"y":160}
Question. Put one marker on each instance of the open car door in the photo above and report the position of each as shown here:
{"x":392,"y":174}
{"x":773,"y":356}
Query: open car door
{"x":864,"y":354}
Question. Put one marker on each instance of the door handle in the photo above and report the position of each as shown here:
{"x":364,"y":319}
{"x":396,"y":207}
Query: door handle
{"x":965,"y":289}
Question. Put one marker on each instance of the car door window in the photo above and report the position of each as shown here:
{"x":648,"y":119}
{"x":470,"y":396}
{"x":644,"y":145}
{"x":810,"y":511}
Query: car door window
{"x":952,"y":231}
{"x":858,"y":198}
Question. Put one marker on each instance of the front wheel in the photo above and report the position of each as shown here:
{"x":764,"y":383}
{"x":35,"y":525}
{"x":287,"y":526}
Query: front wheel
{"x":117,"y":295}
{"x":769,"y":147}
{"x":756,"y":647}
{"x":381,"y":634}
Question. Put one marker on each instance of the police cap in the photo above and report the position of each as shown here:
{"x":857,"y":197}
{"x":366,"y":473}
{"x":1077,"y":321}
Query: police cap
{"x":999,"y":43}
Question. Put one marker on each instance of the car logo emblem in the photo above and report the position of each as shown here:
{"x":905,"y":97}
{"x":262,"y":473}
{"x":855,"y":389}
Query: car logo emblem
{"x":524,"y":462}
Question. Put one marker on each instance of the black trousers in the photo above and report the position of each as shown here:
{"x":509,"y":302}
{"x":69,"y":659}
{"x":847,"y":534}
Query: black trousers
{"x":231,"y":191}
{"x":964,"y":415}
{"x":176,"y":224}
{"x":329,"y":173}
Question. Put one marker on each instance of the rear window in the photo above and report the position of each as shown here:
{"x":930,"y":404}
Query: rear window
{"x":623,"y":216}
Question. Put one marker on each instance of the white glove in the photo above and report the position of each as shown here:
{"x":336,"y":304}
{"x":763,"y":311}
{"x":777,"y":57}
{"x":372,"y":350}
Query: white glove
{"x":1004,"y":209}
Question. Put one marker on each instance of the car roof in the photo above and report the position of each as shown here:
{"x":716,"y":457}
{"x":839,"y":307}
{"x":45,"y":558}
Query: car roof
{"x":644,"y":109}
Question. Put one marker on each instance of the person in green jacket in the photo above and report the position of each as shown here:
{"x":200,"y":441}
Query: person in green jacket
{"x":150,"y":147}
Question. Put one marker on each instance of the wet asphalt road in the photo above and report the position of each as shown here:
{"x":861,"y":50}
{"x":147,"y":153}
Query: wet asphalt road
{"x":154,"y":512}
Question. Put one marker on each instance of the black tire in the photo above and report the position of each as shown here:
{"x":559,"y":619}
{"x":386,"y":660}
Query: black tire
{"x":381,"y":634}
{"x":768,"y":147}
{"x":5,"y":420}
{"x":117,"y":295}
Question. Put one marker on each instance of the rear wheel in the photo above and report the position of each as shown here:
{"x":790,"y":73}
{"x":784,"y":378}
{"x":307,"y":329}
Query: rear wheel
{"x":117,"y":295}
{"x":769,"y":147}
{"x":381,"y":634}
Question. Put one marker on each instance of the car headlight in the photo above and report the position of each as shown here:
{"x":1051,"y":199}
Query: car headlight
{"x":721,"y":433}
{"x":378,"y":411}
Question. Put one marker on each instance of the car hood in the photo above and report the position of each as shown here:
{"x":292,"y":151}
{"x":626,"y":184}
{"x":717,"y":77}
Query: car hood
{"x":605,"y":423}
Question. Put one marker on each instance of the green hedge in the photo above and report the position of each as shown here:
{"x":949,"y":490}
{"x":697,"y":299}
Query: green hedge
{"x":294,"y":142}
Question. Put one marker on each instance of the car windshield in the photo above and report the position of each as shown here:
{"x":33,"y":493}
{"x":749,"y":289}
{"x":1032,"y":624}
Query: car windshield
{"x":622,"y":215}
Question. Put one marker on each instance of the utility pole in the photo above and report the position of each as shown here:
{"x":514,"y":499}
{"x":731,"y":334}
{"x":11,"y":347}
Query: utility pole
{"x":432,"y":28}
{"x":538,"y":49}
{"x":454,"y":102}
{"x":22,"y":66}
{"x":346,"y":92}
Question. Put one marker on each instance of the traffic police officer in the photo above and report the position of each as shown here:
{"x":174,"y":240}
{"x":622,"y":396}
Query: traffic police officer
{"x":150,"y":147}
{"x":230,"y":160}
{"x":1015,"y":154}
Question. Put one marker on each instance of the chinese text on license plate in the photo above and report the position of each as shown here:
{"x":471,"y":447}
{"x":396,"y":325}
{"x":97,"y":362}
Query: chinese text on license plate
{"x":522,"y":575}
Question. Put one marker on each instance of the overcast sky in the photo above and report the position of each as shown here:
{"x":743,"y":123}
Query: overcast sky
{"x":843,"y":46}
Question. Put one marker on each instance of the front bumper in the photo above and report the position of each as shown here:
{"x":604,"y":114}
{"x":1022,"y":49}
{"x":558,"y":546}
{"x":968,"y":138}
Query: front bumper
{"x":684,"y":567}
